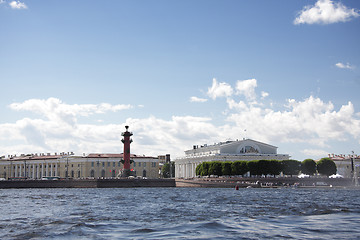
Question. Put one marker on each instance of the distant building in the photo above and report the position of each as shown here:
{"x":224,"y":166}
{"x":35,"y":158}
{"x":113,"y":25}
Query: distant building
{"x":225,"y":151}
{"x":67,"y":165}
{"x":344,"y":165}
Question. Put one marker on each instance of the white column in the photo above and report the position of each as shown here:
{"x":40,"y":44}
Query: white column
{"x":42,"y":169}
{"x":56,"y":169}
{"x":51,"y":173}
{"x":185,"y":170}
{"x":191,"y":170}
{"x":37,"y":170}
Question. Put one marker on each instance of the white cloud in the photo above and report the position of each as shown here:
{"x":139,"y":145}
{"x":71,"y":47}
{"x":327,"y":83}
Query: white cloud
{"x":326,"y":12}
{"x":264,"y":94}
{"x":306,"y":121}
{"x":54,"y":109}
{"x":315,"y":152}
{"x":311,"y":122}
{"x":153,"y":136}
{"x":344,"y":66}
{"x":196,"y":99}
{"x":17,"y":5}
{"x":219,"y":90}
{"x":247,"y":88}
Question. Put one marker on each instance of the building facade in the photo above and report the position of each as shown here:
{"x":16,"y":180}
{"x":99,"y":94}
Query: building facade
{"x":67,"y":165}
{"x":347,"y":165}
{"x":246,"y":149}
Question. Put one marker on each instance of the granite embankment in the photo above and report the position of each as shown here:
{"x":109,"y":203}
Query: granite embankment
{"x":88,"y":183}
{"x":265,"y":182}
{"x":196,"y":182}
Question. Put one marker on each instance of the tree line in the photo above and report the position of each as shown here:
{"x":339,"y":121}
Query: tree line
{"x":324,"y":166}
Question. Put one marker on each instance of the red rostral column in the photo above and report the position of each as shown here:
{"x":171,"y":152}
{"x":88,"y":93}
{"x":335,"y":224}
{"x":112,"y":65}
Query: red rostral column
{"x":126,"y":140}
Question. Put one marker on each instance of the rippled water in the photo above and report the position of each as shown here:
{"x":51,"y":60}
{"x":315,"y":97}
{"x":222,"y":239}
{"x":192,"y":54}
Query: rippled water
{"x":179,"y":213}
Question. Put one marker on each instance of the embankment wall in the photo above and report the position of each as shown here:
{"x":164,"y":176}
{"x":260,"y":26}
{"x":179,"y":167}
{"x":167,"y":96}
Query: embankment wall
{"x":263,"y":182}
{"x":89,"y":183}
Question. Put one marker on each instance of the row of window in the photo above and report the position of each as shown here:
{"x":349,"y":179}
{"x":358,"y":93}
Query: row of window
{"x":153,"y":164}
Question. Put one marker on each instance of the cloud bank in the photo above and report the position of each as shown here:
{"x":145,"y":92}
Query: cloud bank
{"x":326,"y":12}
{"x":58,"y":127}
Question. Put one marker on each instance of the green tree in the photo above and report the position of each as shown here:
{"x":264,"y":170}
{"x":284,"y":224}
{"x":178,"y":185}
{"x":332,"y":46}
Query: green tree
{"x":205,"y":169}
{"x":165,"y":170}
{"x":326,"y":166}
{"x":253,"y":167}
{"x":275,"y":167}
{"x":199,"y":169}
{"x":291,"y":167}
{"x":308,"y":166}
{"x":264,"y":167}
{"x":215,"y":168}
{"x":239,"y":167}
{"x":226,"y":168}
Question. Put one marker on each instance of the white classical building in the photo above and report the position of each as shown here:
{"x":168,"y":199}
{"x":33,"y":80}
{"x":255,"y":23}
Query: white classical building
{"x":347,"y":165}
{"x":246,"y":149}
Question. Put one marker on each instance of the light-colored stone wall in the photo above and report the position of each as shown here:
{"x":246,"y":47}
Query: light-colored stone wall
{"x":76,"y":167}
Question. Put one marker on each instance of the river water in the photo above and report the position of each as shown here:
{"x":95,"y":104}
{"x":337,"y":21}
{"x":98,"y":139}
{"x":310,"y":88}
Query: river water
{"x":179,"y":213}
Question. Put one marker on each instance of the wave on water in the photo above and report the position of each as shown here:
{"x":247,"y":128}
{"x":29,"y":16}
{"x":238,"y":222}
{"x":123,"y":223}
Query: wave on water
{"x":179,"y":213}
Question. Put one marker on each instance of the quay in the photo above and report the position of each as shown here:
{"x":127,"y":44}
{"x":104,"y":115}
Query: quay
{"x":265,"y":182}
{"x":195,"y":182}
{"x":88,"y":183}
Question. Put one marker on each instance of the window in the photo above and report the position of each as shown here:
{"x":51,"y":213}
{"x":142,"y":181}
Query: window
{"x":72,"y":174}
{"x":139,"y":164}
{"x":113,"y":173}
{"x":118,"y":164}
{"x":79,"y":174}
{"x":92,"y":173}
{"x":113,"y":164}
{"x":249,"y":149}
{"x":108,"y":164}
{"x":144,"y":164}
{"x":103,"y":164}
{"x":92,"y":164}
{"x":103,"y":173}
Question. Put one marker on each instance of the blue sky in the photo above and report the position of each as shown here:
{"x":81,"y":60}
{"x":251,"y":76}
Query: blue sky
{"x":180,"y":73}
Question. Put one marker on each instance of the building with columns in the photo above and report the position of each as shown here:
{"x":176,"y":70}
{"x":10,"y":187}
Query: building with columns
{"x":246,"y":149}
{"x":67,"y":165}
{"x":347,"y":165}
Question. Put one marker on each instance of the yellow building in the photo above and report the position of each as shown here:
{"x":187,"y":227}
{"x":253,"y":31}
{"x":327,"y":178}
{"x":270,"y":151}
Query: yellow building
{"x":67,"y":165}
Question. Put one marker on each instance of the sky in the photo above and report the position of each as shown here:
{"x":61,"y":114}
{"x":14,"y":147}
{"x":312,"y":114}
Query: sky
{"x":179,"y":73}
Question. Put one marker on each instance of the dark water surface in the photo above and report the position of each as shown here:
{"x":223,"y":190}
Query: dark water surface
{"x":179,"y":213}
